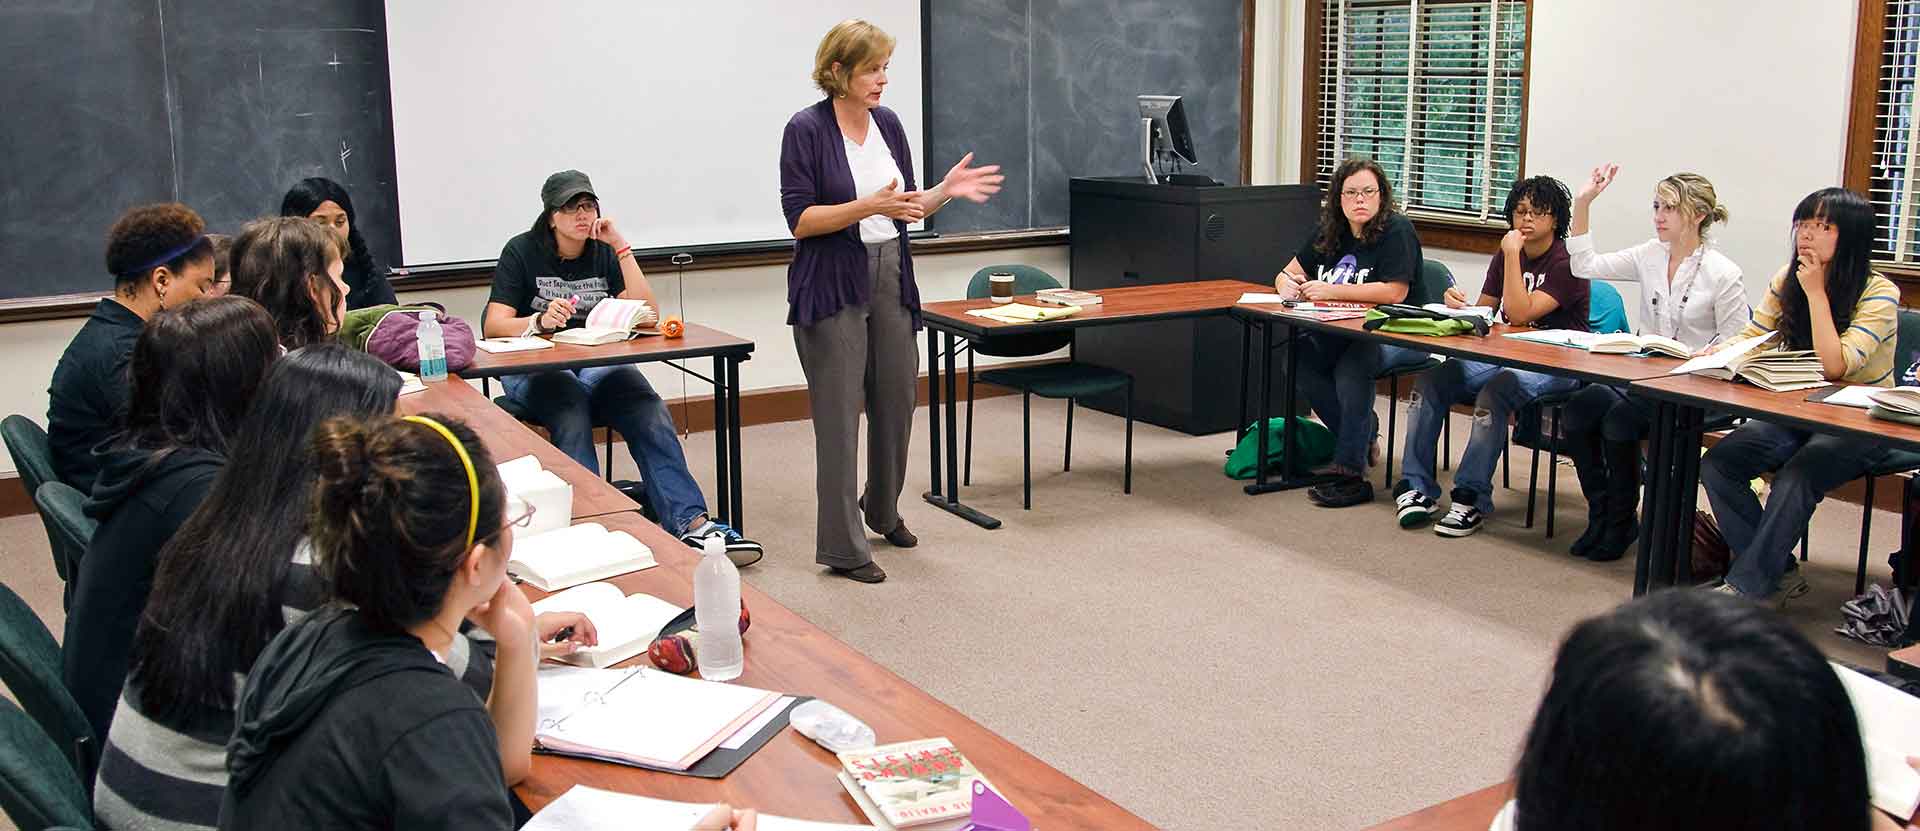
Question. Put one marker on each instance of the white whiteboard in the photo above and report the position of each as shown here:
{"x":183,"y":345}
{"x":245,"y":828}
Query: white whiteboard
{"x":674,"y":109}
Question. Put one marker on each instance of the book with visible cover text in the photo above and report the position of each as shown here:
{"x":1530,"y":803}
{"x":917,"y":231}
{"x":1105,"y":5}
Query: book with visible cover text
{"x":912,"y":784}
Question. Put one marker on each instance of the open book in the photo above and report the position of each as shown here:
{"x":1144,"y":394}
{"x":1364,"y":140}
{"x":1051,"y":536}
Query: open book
{"x":1890,"y":729}
{"x":1902,"y":402}
{"x":641,"y":716}
{"x":577,"y":554}
{"x":613,"y":320}
{"x":1627,"y":343}
{"x":1482,"y":312}
{"x":1773,"y":370}
{"x":529,"y":484}
{"x":588,"y":809}
{"x":627,"y":624}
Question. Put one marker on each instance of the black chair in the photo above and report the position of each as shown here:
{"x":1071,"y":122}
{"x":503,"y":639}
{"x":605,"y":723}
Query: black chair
{"x":1906,"y":349}
{"x":1070,"y":380}
{"x":30,"y":668}
{"x":1526,"y":432}
{"x":33,"y":457}
{"x":1435,"y":277}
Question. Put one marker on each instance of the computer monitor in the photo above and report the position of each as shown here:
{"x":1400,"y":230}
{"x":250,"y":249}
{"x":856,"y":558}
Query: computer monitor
{"x":1164,"y":138}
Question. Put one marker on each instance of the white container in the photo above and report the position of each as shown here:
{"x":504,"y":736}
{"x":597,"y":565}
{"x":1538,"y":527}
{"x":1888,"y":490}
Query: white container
{"x":716,"y":612}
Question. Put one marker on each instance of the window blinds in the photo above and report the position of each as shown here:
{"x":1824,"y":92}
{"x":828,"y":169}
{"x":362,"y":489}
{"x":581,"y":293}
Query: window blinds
{"x":1433,"y":90}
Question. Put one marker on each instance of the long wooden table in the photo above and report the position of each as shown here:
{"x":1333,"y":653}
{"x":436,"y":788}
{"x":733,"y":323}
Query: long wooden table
{"x":506,"y":438}
{"x":1472,"y":812}
{"x":727,"y":352}
{"x":949,"y":319}
{"x":1494,"y":348}
{"x":791,"y":776}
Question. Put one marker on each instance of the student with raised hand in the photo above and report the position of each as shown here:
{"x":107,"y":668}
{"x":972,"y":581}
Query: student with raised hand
{"x":1366,"y":251}
{"x":160,"y":258}
{"x":549,"y":278}
{"x":1689,"y":291}
{"x":1687,"y":711}
{"x":235,"y":574}
{"x":351,"y":718}
{"x":848,"y":192}
{"x":1828,"y":299}
{"x":326,"y":202}
{"x":195,"y":370}
{"x":1530,"y":282}
{"x":292,"y":267}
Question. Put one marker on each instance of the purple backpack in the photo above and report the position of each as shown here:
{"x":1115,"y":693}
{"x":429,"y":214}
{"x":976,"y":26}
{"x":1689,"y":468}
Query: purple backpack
{"x":390,"y":338}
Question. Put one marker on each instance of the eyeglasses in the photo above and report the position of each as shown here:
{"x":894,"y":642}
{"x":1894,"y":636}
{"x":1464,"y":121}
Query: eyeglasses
{"x":1526,"y":213}
{"x":522,"y":521}
{"x":584,"y":206}
{"x":1359,"y":193}
{"x":1811,"y":225}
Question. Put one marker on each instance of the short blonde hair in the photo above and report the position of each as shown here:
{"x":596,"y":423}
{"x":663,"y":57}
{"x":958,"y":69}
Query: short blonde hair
{"x":853,"y":44}
{"x":1692,"y":195}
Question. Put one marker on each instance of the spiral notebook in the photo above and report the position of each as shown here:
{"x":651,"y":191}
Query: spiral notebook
{"x":641,"y":716}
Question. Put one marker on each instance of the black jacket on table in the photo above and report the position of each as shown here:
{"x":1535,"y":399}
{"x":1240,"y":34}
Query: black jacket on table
{"x":141,"y":499}
{"x":343,"y":726}
{"x":89,"y":391}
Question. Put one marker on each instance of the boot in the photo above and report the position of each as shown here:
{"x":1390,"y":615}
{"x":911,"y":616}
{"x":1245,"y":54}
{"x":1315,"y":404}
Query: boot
{"x":1584,"y":450}
{"x":1622,"y":532}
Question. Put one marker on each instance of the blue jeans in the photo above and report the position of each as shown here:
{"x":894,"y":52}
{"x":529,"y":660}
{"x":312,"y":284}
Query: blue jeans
{"x":1496,"y":392}
{"x":1806,"y":466}
{"x":1337,"y":375}
{"x":569,"y":402}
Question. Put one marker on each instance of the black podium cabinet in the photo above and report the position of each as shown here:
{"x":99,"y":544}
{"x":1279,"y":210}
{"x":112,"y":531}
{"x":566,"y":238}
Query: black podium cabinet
{"x":1126,"y":232}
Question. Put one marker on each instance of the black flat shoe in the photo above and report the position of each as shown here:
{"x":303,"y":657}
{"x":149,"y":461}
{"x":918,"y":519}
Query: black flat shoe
{"x":869,"y":573}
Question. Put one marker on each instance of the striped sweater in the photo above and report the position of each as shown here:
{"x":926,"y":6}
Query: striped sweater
{"x":1869,"y":341}
{"x":171,"y":775}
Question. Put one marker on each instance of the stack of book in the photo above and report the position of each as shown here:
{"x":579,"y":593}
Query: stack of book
{"x":1067,"y":297}
{"x":1773,"y":370}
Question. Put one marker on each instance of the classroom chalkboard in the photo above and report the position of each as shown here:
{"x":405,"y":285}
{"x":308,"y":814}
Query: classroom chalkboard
{"x":1047,"y":89}
{"x":221,"y":104}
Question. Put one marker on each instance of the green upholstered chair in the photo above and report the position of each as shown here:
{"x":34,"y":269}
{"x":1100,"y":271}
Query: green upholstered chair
{"x":33,"y":458}
{"x":1071,"y":380}
{"x":38,"y":790}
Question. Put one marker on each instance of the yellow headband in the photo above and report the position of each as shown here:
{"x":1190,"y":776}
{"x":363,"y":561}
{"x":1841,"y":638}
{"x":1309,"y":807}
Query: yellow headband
{"x":473,"y":479}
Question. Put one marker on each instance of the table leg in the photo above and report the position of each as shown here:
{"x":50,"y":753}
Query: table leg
{"x":721,"y":489}
{"x":1653,"y":566}
{"x":943,"y":406}
{"x":1289,"y":478}
{"x":734,"y":460}
{"x":1685,"y":489}
{"x":1246,"y":370}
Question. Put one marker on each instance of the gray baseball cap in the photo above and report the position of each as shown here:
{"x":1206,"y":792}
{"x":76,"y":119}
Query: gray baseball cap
{"x":562,"y":187}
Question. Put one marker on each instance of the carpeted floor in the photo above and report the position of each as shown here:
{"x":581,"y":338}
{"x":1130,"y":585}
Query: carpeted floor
{"x":1204,"y":658}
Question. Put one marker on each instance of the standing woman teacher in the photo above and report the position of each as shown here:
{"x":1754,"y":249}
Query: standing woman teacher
{"x":846,"y":185}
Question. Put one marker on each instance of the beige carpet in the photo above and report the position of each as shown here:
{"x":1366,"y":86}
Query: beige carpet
{"x":1204,"y":658}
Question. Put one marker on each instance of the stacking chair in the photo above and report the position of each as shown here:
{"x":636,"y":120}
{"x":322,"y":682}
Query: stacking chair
{"x":33,"y":457}
{"x":30,"y":669}
{"x":1071,"y":380}
{"x":38,"y":790}
{"x":1906,"y":349}
{"x":1435,"y":277}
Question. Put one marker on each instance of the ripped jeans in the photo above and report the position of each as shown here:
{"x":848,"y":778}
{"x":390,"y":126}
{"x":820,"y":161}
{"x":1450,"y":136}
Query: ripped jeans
{"x":1496,"y":392}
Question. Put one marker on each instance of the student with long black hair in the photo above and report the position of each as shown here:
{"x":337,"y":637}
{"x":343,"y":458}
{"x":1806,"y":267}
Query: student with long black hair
{"x":1365,"y":251}
{"x":324,"y":201}
{"x":351,"y":718}
{"x":195,"y":370}
{"x":237,"y":573}
{"x":160,"y":258}
{"x":1687,"y":710}
{"x":1827,"y":299}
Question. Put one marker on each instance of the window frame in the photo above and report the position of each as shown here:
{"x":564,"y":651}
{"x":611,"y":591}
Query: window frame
{"x":1435,"y":232}
{"x":1869,"y":53}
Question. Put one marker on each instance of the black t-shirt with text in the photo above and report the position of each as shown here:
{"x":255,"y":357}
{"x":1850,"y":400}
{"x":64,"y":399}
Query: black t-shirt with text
{"x":1394,"y":257}
{"x":531,"y":274}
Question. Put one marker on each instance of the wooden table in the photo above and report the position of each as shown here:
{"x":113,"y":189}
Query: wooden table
{"x":727,"y":352}
{"x":506,"y":438}
{"x":950,"y":320}
{"x":791,"y":776}
{"x":1473,"y":812}
{"x":1673,"y":456}
{"x":1495,"y":348}
{"x":1904,"y":663}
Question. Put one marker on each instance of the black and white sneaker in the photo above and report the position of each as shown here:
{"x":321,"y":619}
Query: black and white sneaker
{"x":1415,"y":508}
{"x":740,"y":550}
{"x":1463,"y":518}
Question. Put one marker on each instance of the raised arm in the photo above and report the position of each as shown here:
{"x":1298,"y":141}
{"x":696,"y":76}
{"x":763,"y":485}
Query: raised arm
{"x":1587,"y":263}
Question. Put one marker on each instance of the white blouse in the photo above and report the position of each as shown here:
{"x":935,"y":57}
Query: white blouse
{"x":873,"y":167}
{"x":1706,"y":302}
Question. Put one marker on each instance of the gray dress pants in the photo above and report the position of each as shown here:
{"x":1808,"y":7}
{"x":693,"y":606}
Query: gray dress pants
{"x":861,"y":356}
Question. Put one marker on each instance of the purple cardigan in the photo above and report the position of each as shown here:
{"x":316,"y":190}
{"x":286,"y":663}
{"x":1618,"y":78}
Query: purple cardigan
{"x":829,"y":272}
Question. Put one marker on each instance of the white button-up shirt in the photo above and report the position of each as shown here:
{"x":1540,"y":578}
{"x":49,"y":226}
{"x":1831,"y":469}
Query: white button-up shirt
{"x":1707,"y":301}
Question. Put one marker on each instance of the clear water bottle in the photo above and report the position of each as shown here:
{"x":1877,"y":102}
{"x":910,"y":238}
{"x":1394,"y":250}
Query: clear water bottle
{"x":716,"y":610}
{"x":433,"y":347}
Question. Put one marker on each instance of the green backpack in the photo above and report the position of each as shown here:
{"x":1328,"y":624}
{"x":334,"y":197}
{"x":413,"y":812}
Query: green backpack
{"x":1312,"y":440}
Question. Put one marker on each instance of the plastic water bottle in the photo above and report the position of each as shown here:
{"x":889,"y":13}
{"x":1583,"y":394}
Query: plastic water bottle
{"x":716,"y":610}
{"x":433,"y":347}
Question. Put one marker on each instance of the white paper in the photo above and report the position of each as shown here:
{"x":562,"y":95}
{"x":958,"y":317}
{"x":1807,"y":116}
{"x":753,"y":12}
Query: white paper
{"x":1556,"y":337}
{"x":513,"y":344}
{"x":410,"y":383}
{"x":1890,"y":730}
{"x":592,"y":809}
{"x":739,"y":739}
{"x":1723,"y":358}
{"x":1257,"y":297}
{"x":1858,"y":395}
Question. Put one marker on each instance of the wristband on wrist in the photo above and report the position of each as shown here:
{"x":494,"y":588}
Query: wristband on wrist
{"x":533,"y":327}
{"x":623,"y":252}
